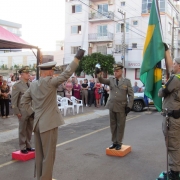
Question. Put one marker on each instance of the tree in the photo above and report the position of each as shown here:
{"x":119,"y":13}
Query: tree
{"x":88,"y":63}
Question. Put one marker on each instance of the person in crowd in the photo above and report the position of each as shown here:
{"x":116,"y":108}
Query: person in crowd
{"x":80,"y":82}
{"x":102,"y":95}
{"x":68,"y":88}
{"x":77,"y":89}
{"x":47,"y":114}
{"x":84,"y":89}
{"x":106,"y":93}
{"x":135,"y":88}
{"x":98,"y":93}
{"x":25,"y":120}
{"x":120,"y":102}
{"x":171,"y":108}
{"x":32,"y":76}
{"x":91,"y":92}
{"x":1,"y":80}
{"x":5,"y":97}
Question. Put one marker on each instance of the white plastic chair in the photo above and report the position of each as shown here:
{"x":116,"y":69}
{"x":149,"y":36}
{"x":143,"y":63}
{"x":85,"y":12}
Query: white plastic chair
{"x":77,"y":103}
{"x":65,"y":105}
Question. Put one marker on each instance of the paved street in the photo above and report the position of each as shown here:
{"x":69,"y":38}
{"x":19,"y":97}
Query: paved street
{"x":81,"y":149}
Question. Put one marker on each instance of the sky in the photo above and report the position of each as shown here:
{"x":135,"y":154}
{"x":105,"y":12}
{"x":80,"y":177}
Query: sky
{"x":43,"y":21}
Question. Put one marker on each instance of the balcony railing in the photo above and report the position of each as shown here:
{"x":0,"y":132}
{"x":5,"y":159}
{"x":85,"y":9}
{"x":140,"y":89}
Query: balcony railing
{"x":100,"y":37}
{"x":101,"y":16}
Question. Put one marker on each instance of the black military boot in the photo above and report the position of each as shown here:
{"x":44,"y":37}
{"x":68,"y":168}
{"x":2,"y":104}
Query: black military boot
{"x":173,"y":175}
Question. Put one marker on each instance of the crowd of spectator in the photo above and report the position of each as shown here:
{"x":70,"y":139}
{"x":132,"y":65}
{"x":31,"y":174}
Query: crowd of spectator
{"x":90,"y":92}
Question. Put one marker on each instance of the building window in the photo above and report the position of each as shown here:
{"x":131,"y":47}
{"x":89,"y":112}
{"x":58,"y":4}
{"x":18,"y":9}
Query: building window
{"x":118,"y":27}
{"x":134,"y":45}
{"x":102,"y":49}
{"x":135,"y":23}
{"x":146,"y":5}
{"x":137,"y":74}
{"x":169,"y":27}
{"x":102,"y":30}
{"x":118,"y":48}
{"x":75,"y":29}
{"x":103,"y":8}
{"x":123,"y":3}
{"x":76,"y":8}
{"x":74,"y":49}
{"x":127,"y":27}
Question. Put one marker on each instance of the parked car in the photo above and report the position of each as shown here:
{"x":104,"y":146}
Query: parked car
{"x":140,"y":102}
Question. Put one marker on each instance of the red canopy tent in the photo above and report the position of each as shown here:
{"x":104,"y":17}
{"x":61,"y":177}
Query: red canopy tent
{"x":9,"y":40}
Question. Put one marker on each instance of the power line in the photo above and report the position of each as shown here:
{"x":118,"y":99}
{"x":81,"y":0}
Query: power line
{"x":107,"y":17}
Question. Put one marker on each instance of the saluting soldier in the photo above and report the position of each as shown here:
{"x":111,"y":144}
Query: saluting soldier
{"x":25,"y":120}
{"x":117,"y":103}
{"x":47,"y":115}
{"x":171,"y":93}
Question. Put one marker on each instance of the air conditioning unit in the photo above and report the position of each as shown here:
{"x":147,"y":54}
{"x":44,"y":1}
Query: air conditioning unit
{"x":109,"y":45}
{"x":110,"y":2}
{"x":90,"y":45}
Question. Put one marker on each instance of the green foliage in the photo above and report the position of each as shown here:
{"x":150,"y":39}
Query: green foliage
{"x":88,"y":62}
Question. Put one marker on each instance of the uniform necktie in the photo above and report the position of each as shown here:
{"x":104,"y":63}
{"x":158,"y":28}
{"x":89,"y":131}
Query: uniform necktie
{"x":117,"y":81}
{"x":27,"y":85}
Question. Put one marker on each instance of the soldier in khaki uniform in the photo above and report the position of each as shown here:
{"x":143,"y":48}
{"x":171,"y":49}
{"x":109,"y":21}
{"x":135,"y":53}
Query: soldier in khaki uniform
{"x":171,"y":93}
{"x":25,"y":120}
{"x":117,"y":103}
{"x":47,"y":115}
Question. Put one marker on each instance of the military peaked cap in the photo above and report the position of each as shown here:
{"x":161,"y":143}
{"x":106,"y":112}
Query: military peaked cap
{"x":24,"y":69}
{"x":48,"y":65}
{"x":118,"y":65}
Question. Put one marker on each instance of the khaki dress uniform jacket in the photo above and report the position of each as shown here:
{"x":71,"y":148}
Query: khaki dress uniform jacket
{"x":26,"y":121}
{"x":116,"y":103}
{"x":43,"y":92}
{"x":172,"y":102}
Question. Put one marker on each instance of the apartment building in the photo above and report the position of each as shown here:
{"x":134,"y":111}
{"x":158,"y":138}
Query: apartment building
{"x":117,"y":27}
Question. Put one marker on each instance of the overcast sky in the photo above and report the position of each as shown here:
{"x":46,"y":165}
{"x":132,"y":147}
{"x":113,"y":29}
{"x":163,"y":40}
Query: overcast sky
{"x":42,"y":20}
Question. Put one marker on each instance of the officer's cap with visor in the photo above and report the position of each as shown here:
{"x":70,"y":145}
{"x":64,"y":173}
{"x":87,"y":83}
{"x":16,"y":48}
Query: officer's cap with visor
{"x":48,"y":66}
{"x":24,"y":69}
{"x":177,"y":60}
{"x":118,"y":65}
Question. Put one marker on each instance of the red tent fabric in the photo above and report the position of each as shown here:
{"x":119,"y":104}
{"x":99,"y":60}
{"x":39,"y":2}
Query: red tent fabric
{"x":9,"y":40}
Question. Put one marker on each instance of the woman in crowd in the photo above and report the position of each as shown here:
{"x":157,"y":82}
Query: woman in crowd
{"x":68,"y":88}
{"x":98,"y":93}
{"x":5,"y":91}
{"x":77,"y":89}
{"x":84,"y":88}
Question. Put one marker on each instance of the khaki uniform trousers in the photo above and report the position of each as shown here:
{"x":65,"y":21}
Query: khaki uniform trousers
{"x":85,"y":96}
{"x":45,"y":144}
{"x":25,"y":132}
{"x":117,"y":125}
{"x":173,"y":142}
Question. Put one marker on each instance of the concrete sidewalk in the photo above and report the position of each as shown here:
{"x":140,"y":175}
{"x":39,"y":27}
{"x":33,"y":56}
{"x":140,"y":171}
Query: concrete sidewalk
{"x":9,"y":126}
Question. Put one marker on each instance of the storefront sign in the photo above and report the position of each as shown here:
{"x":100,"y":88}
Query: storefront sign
{"x":133,"y":64}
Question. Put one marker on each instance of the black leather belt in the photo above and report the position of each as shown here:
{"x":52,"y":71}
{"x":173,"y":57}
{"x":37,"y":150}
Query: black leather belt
{"x":169,"y":113}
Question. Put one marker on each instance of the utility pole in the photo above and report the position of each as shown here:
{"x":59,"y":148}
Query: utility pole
{"x":123,"y":44}
{"x":172,"y":44}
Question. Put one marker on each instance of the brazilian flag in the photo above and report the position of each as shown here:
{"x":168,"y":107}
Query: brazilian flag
{"x":153,"y":53}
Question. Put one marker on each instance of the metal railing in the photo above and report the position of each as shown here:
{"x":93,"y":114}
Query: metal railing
{"x":101,"y":36}
{"x":102,"y":16}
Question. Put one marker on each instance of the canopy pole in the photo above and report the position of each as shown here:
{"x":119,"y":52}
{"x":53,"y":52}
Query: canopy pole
{"x":38,"y":61}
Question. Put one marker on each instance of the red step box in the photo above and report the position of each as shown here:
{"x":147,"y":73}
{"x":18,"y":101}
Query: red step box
{"x":17,"y":155}
{"x":125,"y":149}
